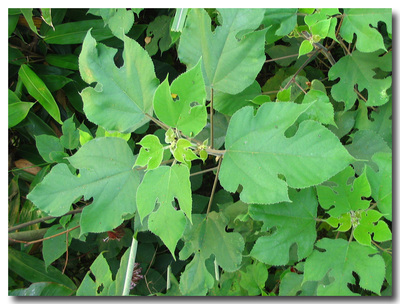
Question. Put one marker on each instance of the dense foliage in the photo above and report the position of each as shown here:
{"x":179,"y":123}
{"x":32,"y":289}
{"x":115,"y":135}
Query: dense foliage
{"x":200,"y":152}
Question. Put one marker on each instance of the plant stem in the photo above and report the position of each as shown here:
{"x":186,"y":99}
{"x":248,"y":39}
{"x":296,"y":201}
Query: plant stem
{"x":203,"y":171}
{"x":26,"y":236}
{"x":157,"y":122}
{"x":46,"y":238}
{"x":131,"y":265}
{"x":43,"y":219}
{"x":281,"y":58}
{"x":214,"y":186}
{"x":212,"y":119}
{"x":309,"y":59}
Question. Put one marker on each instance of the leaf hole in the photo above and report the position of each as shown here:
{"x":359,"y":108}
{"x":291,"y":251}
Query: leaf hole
{"x":194,"y":104}
{"x":100,"y":288}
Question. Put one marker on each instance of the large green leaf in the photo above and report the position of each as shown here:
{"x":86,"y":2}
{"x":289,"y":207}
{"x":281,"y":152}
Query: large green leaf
{"x":358,"y":69}
{"x":294,"y":223}
{"x":363,"y":23}
{"x":105,"y":173}
{"x":162,"y":185}
{"x":34,"y":270}
{"x":340,"y":259}
{"x":230,"y":62}
{"x":183,"y":104}
{"x":343,"y":197}
{"x":257,"y":154}
{"x":281,"y":22}
{"x":122,"y":96}
{"x":37,"y":89}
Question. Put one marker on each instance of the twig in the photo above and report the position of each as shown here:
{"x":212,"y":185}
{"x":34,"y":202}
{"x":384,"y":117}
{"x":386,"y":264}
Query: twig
{"x":359,"y":94}
{"x":157,"y":122}
{"x":212,"y":119}
{"x":214,"y":186}
{"x":66,"y":256}
{"x":281,"y":58}
{"x":296,"y":83}
{"x":203,"y":171}
{"x":43,"y":219}
{"x":52,"y":236}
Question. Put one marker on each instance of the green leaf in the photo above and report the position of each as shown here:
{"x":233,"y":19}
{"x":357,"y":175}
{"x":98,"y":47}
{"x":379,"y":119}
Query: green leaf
{"x":294,"y":223}
{"x":46,"y":16}
{"x":219,"y":49}
{"x":228,"y":104}
{"x":151,"y":153}
{"x":321,"y":110}
{"x":101,"y":271}
{"x":43,"y":289}
{"x":162,"y":185}
{"x":183,"y":153}
{"x":381,"y":120}
{"x":208,"y":235}
{"x":255,"y":164}
{"x":122,"y":96}
{"x":34,"y":270}
{"x":28,"y":14}
{"x":366,"y":227}
{"x":50,"y":148}
{"x":381,"y":182}
{"x":37,"y":89}
{"x":17,"y":109}
{"x":344,"y":196}
{"x":70,"y":137}
{"x":365,"y":144}
{"x":305,"y":47}
{"x":75,"y":32}
{"x":363,"y":22}
{"x":105,"y":173}
{"x":119,"y":20}
{"x":67,"y":61}
{"x":187,"y":110}
{"x":196,"y":280}
{"x":254,"y":278}
{"x":101,"y":132}
{"x":281,"y":22}
{"x":358,"y":69}
{"x":339,"y":260}
{"x":159,"y":32}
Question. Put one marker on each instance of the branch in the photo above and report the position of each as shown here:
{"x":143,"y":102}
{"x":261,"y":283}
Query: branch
{"x":42,"y":219}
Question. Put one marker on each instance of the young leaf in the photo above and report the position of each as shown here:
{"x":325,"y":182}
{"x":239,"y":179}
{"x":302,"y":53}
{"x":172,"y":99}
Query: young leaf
{"x":381,"y":182}
{"x":183,"y":153}
{"x":105,"y":173}
{"x":339,"y":259}
{"x":305,"y":47}
{"x":367,"y":227}
{"x":358,"y":69}
{"x":344,"y":196}
{"x":294,"y":222}
{"x":122,"y":96}
{"x":363,"y":23}
{"x":37,"y":89}
{"x":179,"y":112}
{"x":255,"y":155}
{"x":221,"y":48}
{"x":151,"y":153}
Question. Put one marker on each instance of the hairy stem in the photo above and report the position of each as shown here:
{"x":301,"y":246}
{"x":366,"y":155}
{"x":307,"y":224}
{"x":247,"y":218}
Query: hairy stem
{"x":131,"y":265}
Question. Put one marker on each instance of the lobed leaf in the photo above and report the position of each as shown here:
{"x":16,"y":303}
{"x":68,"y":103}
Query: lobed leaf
{"x":257,"y":154}
{"x":339,"y":259}
{"x":122,"y":96}
{"x":105,"y":173}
